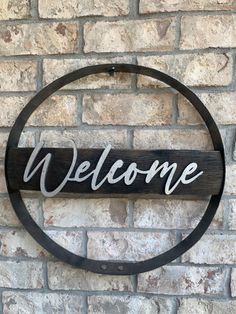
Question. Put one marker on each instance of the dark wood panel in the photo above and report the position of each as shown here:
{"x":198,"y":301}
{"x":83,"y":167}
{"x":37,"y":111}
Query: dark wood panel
{"x":208,"y":161}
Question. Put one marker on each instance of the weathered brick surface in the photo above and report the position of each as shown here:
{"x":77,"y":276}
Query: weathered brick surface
{"x":208,"y":31}
{"x":35,"y":302}
{"x":17,"y":75}
{"x":152,"y":6}
{"x":121,"y":36}
{"x":3,"y":142}
{"x":38,"y":39}
{"x":58,"y":9}
{"x":172,"y":139}
{"x":233,"y":282}
{"x":172,"y":214}
{"x":232,"y":214}
{"x":234,"y":150}
{"x":8,"y":217}
{"x":222,"y":250}
{"x":20,"y":243}
{"x":3,"y":188}
{"x":55,"y":68}
{"x":85,"y":212}
{"x":143,"y":109}
{"x":128,"y":304}
{"x":75,"y":279}
{"x":128,"y":246}
{"x":27,"y":138}
{"x":200,"y":306}
{"x":183,"y":280}
{"x":56,"y":110}
{"x":21,"y":275}
{"x":230,"y":183}
{"x":10,"y":109}
{"x":14,"y":9}
{"x":207,"y":69}
{"x":220,"y":105}
{"x":86,"y":138}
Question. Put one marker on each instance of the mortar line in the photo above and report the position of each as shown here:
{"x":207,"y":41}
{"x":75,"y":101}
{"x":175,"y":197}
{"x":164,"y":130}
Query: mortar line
{"x":123,"y":54}
{"x":177,"y":31}
{"x":226,"y":215}
{"x":34,"y":11}
{"x":102,"y":18}
{"x":134,"y":283}
{"x":228,"y":283}
{"x":134,"y":9}
{"x":175,"y":306}
{"x":85,"y":305}
{"x":39,"y":79}
{"x":1,"y":303}
{"x":45,"y":275}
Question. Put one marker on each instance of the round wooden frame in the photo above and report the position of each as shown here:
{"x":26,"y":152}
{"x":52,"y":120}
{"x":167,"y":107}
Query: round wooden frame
{"x":108,"y":267}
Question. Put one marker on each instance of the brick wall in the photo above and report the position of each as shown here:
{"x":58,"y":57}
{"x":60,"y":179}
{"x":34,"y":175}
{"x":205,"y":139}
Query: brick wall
{"x":195,"y":42}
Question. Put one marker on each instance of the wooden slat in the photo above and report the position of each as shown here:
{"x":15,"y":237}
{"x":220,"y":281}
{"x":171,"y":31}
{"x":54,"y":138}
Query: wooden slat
{"x":208,"y":161}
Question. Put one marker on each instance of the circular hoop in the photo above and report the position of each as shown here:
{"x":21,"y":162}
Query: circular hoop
{"x":108,"y":267}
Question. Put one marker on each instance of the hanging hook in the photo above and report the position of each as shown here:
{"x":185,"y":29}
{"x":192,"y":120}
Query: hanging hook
{"x":111,"y":71}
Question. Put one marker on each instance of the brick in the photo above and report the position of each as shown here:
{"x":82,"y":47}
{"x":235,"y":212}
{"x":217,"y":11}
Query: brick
{"x":234,"y":150}
{"x":86,"y":138}
{"x":85,"y":212}
{"x":130,"y":246}
{"x":172,"y":139}
{"x":232,"y":214}
{"x":35,"y":302}
{"x":200,"y":306}
{"x":227,"y":135}
{"x":38,"y":39}
{"x":58,"y":9}
{"x":233,"y":283}
{"x":153,"y":6}
{"x":27,"y":139}
{"x":230,"y":181}
{"x":187,"y":114}
{"x":3,"y":188}
{"x":3,"y":142}
{"x":222,"y":250}
{"x":125,"y":36}
{"x":21,"y":76}
{"x":19,"y":243}
{"x":10,"y":109}
{"x":16,"y":9}
{"x":8,"y":217}
{"x":207,"y":69}
{"x":56,"y":111}
{"x":172,"y":214}
{"x":183,"y":280}
{"x":71,"y":240}
{"x":21,"y":275}
{"x":220,"y":105}
{"x":61,"y":276}
{"x":208,"y":31}
{"x":142,"y":109}
{"x":128,"y":304}
{"x":55,"y":68}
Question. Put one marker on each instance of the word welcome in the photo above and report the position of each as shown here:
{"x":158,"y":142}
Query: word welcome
{"x":128,"y":176}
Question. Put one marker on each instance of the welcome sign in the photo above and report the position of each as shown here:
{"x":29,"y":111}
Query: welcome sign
{"x":111,"y":171}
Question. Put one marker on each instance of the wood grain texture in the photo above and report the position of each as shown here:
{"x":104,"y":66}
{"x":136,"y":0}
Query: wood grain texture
{"x":210,"y":162}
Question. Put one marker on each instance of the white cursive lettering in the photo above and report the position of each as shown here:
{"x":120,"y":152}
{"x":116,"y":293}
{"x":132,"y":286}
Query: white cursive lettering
{"x":129,"y":175}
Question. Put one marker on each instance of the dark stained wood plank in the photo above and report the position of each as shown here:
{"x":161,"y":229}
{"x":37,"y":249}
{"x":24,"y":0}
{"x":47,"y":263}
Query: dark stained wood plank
{"x":209,"y":183}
